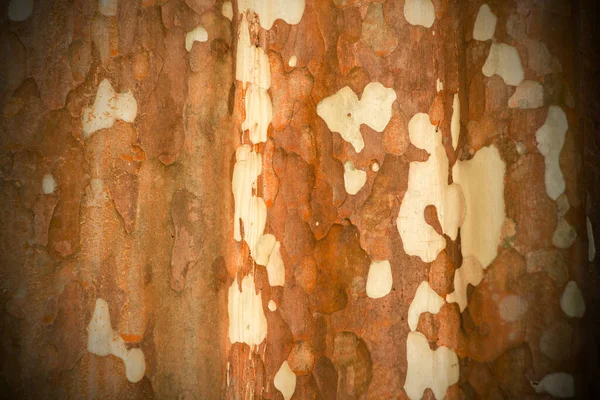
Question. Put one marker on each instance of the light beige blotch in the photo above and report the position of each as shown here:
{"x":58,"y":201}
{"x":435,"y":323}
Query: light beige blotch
{"x":354,"y":179}
{"x":426,"y":300}
{"x":557,"y":384}
{"x":48,"y":184}
{"x":550,"y":139}
{"x":482,"y":182}
{"x":227,"y":10}
{"x":379,"y":279}
{"x":504,"y":61}
{"x":197,"y":35}
{"x":107,"y":108}
{"x":485,"y":24}
{"x":344,"y":113}
{"x":247,"y":321}
{"x":271,"y":10}
{"x":435,"y":369}
{"x":285,"y":381}
{"x":428,"y":184}
{"x":469,"y":273}
{"x":572,"y":302}
{"x":419,"y":12}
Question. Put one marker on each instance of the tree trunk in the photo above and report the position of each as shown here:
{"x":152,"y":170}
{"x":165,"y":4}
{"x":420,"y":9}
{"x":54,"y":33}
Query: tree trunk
{"x":290,"y":199}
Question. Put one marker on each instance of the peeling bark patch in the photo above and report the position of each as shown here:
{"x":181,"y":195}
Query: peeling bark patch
{"x":247,"y":168}
{"x":469,"y":273}
{"x":485,"y":24}
{"x":259,"y":113}
{"x":504,"y":61}
{"x":428,"y":185}
{"x":197,"y":35}
{"x":103,"y":341}
{"x":48,"y":184}
{"x":379,"y":279}
{"x":270,"y":10}
{"x":247,"y":321}
{"x":426,"y":300}
{"x":354,"y":179}
{"x":227,"y":10}
{"x":455,"y":121}
{"x":482,"y":183}
{"x":557,"y":384}
{"x":285,"y":381}
{"x":550,"y":139}
{"x":419,"y":12}
{"x":572,"y":302}
{"x":108,"y":107}
{"x":435,"y":369}
{"x":252,"y":63}
{"x":344,"y":113}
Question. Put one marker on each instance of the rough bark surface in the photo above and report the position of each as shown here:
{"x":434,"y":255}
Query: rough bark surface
{"x":128,"y":133}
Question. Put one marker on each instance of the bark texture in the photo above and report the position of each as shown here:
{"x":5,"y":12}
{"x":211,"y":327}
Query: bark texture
{"x":299,"y":199}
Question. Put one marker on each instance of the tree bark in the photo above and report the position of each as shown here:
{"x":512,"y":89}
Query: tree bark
{"x":290,"y":199}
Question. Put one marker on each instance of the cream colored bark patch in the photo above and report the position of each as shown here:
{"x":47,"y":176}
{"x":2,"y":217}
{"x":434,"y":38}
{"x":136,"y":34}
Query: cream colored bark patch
{"x":436,"y":370}
{"x":455,"y":121}
{"x":439,"y":85}
{"x":558,"y":384}
{"x":20,"y":10}
{"x":293,"y":61}
{"x":252,"y":63}
{"x":529,"y":94}
{"x":270,"y":10}
{"x":428,"y":184}
{"x":197,"y":35}
{"x":48,"y":184}
{"x":344,"y":113}
{"x":247,"y":168}
{"x":268,"y":254}
{"x":275,"y":267}
{"x":482,"y":181}
{"x":425,"y":300}
{"x":227,"y":10}
{"x":504,"y":61}
{"x":108,"y":107}
{"x":354,"y":179}
{"x":247,"y":321}
{"x":419,"y":12}
{"x":285,"y":381}
{"x":103,"y":341}
{"x":469,"y":273}
{"x":259,"y":113}
{"x":550,"y":139}
{"x":591,"y":242}
{"x":272,"y":306}
{"x":264,"y":248}
{"x":572,"y":302}
{"x":379,"y":279}
{"x":485,"y":24}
